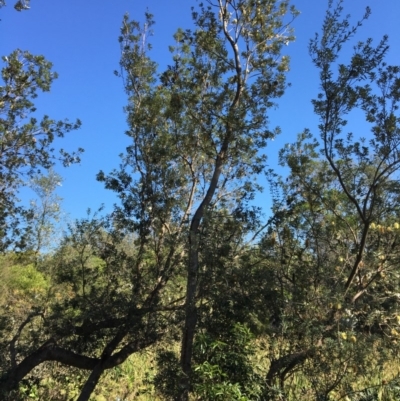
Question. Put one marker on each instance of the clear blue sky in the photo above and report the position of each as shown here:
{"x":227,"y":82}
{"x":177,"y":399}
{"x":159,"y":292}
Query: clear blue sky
{"x":80,"y":38}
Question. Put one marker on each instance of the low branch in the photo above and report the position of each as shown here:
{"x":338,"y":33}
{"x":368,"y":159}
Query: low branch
{"x":88,"y":328}
{"x":50,"y":351}
{"x":96,"y":373}
{"x":282,"y":366}
{"x":13,"y":352}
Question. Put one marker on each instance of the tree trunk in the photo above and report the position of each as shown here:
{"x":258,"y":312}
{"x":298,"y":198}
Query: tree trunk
{"x":193,"y":267}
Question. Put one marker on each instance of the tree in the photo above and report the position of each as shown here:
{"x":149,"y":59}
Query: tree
{"x":179,"y":258}
{"x":334,"y":246}
{"x":46,"y":211}
{"x":196,"y":129}
{"x":380,"y":160}
{"x":206,"y":122}
{"x":25,"y":143}
{"x":89,"y":303}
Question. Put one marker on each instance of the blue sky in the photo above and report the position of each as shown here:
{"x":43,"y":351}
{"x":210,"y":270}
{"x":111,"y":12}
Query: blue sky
{"x":80,"y":38}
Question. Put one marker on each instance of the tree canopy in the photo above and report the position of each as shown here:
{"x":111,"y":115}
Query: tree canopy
{"x":187,"y":271}
{"x":26,"y":144}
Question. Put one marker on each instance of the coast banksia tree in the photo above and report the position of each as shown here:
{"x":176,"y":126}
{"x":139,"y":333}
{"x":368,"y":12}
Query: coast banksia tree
{"x":197,"y":130}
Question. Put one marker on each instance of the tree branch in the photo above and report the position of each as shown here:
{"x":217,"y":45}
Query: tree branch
{"x":50,"y":351}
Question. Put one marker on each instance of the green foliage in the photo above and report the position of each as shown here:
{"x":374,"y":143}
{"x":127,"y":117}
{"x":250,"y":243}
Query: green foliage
{"x":335,"y":232}
{"x":205,"y":117}
{"x":223,"y":368}
{"x":26,"y":144}
{"x":46,"y":211}
{"x":22,"y":279}
{"x":27,"y":280}
{"x":303,"y":306}
{"x":169,"y":375}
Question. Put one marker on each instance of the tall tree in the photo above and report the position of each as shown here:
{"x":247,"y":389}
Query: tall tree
{"x":336,"y":230}
{"x":25,"y":143}
{"x":378,"y":159}
{"x":198,"y":128}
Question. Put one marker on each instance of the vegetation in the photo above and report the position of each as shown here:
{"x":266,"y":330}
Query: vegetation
{"x":185,"y":291}
{"x":26,"y":144}
{"x":19,"y":5}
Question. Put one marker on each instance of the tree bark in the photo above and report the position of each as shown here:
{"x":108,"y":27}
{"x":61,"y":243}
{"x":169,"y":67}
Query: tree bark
{"x":282,"y":366}
{"x":193,"y":264}
{"x":193,"y":267}
{"x":94,"y":377}
{"x":49,"y":351}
